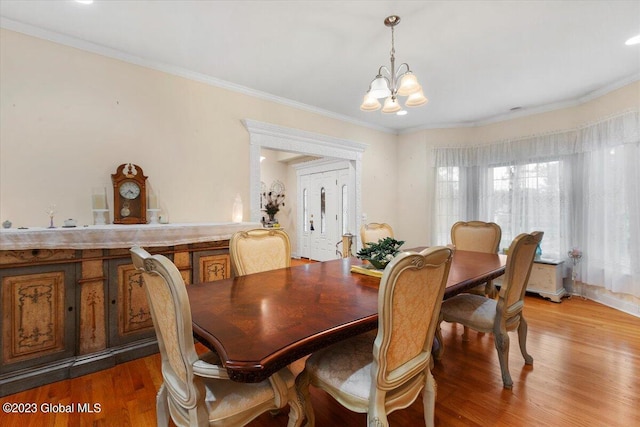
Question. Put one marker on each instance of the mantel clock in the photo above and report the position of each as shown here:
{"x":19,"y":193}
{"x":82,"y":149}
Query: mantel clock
{"x":129,"y":195}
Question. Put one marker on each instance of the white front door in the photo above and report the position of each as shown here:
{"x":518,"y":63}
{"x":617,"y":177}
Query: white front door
{"x":326,"y":199}
{"x":323,"y":216}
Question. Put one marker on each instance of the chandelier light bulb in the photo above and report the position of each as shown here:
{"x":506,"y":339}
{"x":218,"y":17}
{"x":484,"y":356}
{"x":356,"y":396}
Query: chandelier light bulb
{"x":370,"y":103}
{"x":379,"y":87}
{"x":408,"y":85}
{"x":391,"y":105}
{"x":416,"y":99}
{"x":633,"y":40}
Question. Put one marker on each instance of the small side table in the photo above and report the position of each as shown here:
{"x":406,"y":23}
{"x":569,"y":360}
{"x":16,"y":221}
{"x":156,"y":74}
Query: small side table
{"x":546,"y":278}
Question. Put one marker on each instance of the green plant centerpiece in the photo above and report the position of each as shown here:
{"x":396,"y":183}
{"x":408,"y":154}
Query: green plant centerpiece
{"x":380,"y":254}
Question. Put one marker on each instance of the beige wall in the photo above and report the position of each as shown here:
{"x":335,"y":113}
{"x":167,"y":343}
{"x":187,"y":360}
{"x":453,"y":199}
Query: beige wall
{"x":68,"y":118}
{"x":415,"y":159}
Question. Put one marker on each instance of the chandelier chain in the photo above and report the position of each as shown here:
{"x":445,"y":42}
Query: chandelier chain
{"x":393,"y":48}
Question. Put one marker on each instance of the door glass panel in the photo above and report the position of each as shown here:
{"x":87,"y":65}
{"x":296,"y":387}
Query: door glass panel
{"x":345,"y":210}
{"x":305,"y":210}
{"x":323,"y":220}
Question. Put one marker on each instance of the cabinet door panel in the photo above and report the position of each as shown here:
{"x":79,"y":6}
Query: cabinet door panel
{"x":37,"y":315}
{"x":211,"y":266}
{"x":129,"y":314}
{"x":134,"y":313}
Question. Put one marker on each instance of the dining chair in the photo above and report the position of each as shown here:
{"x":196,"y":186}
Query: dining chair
{"x":262,"y":249}
{"x":197,"y":390}
{"x":504,"y":314}
{"x":478,"y":236}
{"x":379,"y":372}
{"x":258,"y":250}
{"x":372,"y":232}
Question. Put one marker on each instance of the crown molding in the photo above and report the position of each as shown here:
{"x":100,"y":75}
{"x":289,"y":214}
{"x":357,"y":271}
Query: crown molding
{"x":524,"y":112}
{"x":74,"y":42}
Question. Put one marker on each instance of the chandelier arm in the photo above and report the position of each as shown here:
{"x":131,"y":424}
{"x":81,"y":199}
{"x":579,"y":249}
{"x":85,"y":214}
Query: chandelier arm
{"x":382,"y":67}
{"x":399,"y":74}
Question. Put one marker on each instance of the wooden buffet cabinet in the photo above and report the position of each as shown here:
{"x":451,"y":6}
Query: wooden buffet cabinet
{"x":72,"y":303}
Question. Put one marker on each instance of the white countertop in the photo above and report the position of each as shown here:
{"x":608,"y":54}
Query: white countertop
{"x":118,"y":236}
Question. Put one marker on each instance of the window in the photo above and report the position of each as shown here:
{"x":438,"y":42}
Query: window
{"x":578,"y":186}
{"x":525,"y":198}
{"x":448,"y":202}
{"x":518,"y":197}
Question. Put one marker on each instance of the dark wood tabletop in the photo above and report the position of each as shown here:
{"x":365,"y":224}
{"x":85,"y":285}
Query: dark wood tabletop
{"x":261,"y":322}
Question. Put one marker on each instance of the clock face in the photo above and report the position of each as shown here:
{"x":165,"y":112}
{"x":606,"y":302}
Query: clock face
{"x":129,"y":190}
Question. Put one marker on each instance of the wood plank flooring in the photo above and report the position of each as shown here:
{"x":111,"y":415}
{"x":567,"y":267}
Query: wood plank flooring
{"x":586,"y":372}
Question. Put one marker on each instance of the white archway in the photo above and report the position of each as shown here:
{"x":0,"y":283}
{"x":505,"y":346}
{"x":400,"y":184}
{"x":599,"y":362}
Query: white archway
{"x":266,"y":135}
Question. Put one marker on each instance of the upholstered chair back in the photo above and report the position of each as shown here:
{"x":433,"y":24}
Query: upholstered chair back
{"x":382,"y":371}
{"x":171,"y":313}
{"x":487,"y":315}
{"x":409,"y":298}
{"x":522,"y":251}
{"x":477,"y":236}
{"x":372,"y":232}
{"x":259,"y":250}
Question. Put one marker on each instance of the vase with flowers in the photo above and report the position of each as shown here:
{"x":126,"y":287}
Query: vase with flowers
{"x":272,"y":204}
{"x":381,"y":253}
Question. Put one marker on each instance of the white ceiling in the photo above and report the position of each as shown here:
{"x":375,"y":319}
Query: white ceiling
{"x":476,"y":60}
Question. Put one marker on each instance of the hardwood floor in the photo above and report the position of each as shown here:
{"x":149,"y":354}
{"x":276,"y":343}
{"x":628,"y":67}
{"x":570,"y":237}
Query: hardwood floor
{"x":586,"y":372}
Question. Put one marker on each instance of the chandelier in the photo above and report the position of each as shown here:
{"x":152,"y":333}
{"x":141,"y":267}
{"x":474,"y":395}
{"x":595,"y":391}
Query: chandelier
{"x":400,"y":82}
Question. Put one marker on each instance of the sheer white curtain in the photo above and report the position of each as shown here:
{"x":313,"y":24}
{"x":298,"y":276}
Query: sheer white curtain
{"x":607,"y":226}
{"x":581,"y":187}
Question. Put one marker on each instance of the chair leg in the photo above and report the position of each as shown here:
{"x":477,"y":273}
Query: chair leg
{"x":490,"y":290}
{"x":295,"y":410}
{"x":162,"y":406}
{"x":522,"y":339}
{"x":465,"y":333}
{"x":501,"y":340}
{"x":304,"y":397}
{"x":429,"y":400}
{"x":438,"y":349}
{"x":377,"y":413}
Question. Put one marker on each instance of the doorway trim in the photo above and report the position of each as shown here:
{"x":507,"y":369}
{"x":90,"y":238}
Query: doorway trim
{"x":266,"y":135}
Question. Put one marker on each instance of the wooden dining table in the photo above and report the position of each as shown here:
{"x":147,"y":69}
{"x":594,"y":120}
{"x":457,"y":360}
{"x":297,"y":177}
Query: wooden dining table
{"x":261,"y":322}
